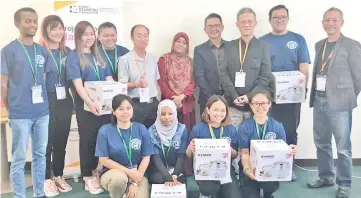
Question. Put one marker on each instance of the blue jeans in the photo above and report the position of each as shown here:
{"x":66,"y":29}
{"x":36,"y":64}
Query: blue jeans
{"x":325,"y":124}
{"x":21,"y":129}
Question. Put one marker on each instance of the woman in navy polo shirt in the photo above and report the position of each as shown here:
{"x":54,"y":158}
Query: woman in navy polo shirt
{"x":169,"y":138}
{"x":124,"y":150}
{"x":216,"y":124}
{"x":85,"y":64}
{"x":260,"y":126}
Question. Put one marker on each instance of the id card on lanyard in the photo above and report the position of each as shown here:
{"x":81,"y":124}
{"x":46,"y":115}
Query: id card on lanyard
{"x":240,"y":77}
{"x":115,"y":66}
{"x":36,"y":90}
{"x":144,"y":95}
{"x":321,"y":78}
{"x":59,"y":88}
{"x":261,"y":136}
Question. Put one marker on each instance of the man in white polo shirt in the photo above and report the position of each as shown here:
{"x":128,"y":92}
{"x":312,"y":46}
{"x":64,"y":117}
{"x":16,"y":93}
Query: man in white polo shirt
{"x":139,"y":70}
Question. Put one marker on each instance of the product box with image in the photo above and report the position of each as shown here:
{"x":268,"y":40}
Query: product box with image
{"x":102,"y":93}
{"x":163,"y":191}
{"x":212,"y":159}
{"x":271,"y":160}
{"x":289,"y":87}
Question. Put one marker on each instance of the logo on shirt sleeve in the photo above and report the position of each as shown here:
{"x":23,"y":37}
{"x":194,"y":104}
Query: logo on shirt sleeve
{"x":291,"y":45}
{"x":271,"y":136}
{"x":136,"y":144}
{"x":40,"y":60}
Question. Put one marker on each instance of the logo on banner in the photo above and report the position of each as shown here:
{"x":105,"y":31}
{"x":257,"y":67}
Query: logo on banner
{"x":135,"y":144}
{"x":73,"y":9}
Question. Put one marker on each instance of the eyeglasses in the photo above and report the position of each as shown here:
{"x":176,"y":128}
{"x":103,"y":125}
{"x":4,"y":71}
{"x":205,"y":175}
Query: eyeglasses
{"x":214,"y":26}
{"x":279,"y":18}
{"x":260,"y":104}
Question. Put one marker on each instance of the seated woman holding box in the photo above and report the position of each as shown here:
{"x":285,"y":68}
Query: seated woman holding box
{"x":216,"y":125}
{"x":258,"y":127}
{"x":169,"y":138}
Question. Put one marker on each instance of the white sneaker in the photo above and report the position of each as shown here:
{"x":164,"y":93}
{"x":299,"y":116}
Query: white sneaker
{"x":50,"y":188}
{"x":62,"y":185}
{"x":92,"y":184}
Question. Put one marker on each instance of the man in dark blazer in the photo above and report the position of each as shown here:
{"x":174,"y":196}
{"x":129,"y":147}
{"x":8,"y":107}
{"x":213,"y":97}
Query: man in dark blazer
{"x":207,"y":60}
{"x":336,"y":83}
{"x":247,"y":67}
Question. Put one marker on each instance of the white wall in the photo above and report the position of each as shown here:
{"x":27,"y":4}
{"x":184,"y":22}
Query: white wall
{"x":167,"y":17}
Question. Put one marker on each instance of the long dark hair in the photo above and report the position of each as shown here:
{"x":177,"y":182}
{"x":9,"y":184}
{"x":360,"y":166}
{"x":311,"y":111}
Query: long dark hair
{"x":52,"y":21}
{"x":116,"y":102}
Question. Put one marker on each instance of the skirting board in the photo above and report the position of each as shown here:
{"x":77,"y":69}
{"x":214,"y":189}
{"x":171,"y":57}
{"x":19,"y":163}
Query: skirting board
{"x":299,"y":162}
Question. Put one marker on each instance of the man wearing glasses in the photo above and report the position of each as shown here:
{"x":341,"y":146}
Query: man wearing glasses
{"x":207,"y":60}
{"x":246,"y":67}
{"x":289,"y":52}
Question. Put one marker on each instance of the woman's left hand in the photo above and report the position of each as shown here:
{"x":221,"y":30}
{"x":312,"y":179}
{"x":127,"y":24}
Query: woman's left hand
{"x":293,"y":149}
{"x":132,"y":191}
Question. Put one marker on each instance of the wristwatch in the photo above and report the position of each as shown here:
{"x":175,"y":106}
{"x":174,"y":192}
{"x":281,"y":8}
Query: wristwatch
{"x":135,"y":184}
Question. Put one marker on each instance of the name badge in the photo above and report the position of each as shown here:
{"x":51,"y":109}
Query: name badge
{"x":144,"y":95}
{"x":321,"y":82}
{"x":240,"y":79}
{"x":60,"y":92}
{"x":36,"y":94}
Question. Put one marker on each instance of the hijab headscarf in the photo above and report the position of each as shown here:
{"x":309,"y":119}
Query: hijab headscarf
{"x":179,"y":70}
{"x":166,"y":133}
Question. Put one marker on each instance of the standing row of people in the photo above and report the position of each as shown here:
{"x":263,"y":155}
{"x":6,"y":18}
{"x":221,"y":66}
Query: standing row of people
{"x":234,"y":69}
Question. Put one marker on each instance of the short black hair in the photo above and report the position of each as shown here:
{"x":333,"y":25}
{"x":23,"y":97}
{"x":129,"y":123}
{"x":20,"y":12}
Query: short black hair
{"x":106,"y":25}
{"x":138,"y":25}
{"x":212,"y":15}
{"x":277,"y":7}
{"x":117,"y":100}
{"x":17,"y":13}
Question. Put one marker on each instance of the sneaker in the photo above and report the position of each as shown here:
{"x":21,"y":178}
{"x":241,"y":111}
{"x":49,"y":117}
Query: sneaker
{"x":343,"y":192}
{"x":92,"y":184}
{"x":62,"y":185}
{"x":96,"y":173}
{"x":320,"y":183}
{"x":50,"y":188}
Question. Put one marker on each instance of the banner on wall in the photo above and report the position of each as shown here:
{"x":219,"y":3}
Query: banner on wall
{"x":94,"y":11}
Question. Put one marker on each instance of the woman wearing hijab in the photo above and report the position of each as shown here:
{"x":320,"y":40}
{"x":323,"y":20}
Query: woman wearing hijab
{"x":169,"y":138}
{"x":176,"y":80}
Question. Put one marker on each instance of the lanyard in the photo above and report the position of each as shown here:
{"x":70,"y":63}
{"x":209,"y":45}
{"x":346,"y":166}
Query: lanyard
{"x":138,"y":65}
{"x":263,"y":131}
{"x":323,"y":57}
{"x":58,"y":66}
{"x":34,"y":71}
{"x":114,"y":67}
{"x":128,"y":149}
{"x":166,"y":153}
{"x":241,"y":59}
{"x":212,"y":132}
{"x":96,"y":69}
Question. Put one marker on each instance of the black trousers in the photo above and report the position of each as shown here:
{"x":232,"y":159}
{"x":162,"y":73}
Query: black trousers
{"x":251,"y":188}
{"x":201,"y":109}
{"x":217,"y":190}
{"x":59,"y":126}
{"x":289,"y":116}
{"x":145,"y":113}
{"x":88,"y":127}
{"x":156,"y":177}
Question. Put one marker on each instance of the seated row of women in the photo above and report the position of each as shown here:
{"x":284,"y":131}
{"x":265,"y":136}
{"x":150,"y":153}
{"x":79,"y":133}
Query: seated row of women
{"x":131,"y":154}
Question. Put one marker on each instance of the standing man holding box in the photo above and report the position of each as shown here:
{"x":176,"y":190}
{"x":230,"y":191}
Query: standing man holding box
{"x":24,"y":65}
{"x":289,"y":52}
{"x":139,"y":70}
{"x":246,"y":67}
{"x":336,"y":83}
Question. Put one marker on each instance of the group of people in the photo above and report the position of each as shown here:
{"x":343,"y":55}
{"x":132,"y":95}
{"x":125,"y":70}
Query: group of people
{"x":144,"y":139}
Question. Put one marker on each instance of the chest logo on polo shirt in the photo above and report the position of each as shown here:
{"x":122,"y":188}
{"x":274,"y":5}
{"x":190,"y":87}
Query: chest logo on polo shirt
{"x":270,"y":136}
{"x":136,"y":144}
{"x":176,"y":145}
{"x":63,"y":61}
{"x":40,"y":60}
{"x":291,"y":45}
